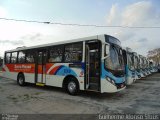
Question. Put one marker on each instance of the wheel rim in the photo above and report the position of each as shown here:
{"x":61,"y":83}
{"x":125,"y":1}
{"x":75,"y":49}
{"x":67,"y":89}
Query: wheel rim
{"x":71,"y":87}
{"x":21,"y":80}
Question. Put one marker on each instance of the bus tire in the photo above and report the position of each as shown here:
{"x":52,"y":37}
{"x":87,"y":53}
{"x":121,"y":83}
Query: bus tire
{"x":72,"y":86}
{"x":21,"y":80}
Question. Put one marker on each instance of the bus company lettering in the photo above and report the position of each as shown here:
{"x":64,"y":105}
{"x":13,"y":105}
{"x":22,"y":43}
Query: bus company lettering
{"x":22,"y":66}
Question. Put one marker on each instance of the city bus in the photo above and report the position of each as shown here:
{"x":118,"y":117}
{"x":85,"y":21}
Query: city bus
{"x":129,"y":65}
{"x":152,"y":66}
{"x":137,"y":66}
{"x":147,"y":66}
{"x":142,"y":66}
{"x":92,"y":63}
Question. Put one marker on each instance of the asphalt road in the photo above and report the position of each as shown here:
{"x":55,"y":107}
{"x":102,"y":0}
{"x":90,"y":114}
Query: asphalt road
{"x":142,"y":97}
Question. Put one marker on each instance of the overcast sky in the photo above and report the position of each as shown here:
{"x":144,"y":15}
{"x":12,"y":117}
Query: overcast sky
{"x":99,"y":12}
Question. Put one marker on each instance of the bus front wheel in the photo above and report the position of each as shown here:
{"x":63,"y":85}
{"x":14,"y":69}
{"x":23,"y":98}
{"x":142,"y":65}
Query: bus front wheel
{"x":21,"y":80}
{"x":72,"y":87}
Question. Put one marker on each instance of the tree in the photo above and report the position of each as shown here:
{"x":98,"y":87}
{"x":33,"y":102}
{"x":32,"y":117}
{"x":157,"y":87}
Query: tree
{"x":154,"y":55}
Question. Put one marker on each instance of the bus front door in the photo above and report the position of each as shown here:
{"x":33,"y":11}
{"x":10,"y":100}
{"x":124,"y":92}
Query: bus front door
{"x":92,"y":72}
{"x":87,"y":66}
{"x":41,"y":66}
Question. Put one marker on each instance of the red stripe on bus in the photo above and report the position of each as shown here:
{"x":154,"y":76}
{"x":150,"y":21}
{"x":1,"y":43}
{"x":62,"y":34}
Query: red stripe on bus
{"x":40,"y":69}
{"x":3,"y":70}
{"x":48,"y":66}
{"x":26,"y":68}
{"x":53,"y":70}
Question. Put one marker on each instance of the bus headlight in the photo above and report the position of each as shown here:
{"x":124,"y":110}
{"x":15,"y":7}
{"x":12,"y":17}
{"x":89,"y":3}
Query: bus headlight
{"x":110,"y":80}
{"x":113,"y":82}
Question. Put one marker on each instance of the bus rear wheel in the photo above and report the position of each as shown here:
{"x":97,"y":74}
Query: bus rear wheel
{"x":72,"y":87}
{"x":21,"y":80}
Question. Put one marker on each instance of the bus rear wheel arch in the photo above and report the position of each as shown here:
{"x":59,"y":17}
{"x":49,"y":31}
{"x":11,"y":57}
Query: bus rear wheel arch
{"x":71,"y":85}
{"x":21,"y":79}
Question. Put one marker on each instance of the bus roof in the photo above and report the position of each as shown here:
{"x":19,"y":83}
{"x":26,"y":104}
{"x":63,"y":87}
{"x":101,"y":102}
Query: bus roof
{"x":99,"y":37}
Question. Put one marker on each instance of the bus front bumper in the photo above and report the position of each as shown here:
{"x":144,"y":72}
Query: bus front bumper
{"x":129,"y":80}
{"x":107,"y":87}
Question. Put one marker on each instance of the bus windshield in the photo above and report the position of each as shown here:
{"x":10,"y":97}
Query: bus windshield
{"x":143,"y":63}
{"x":130,"y":61}
{"x":136,"y":62}
{"x":114,"y":63}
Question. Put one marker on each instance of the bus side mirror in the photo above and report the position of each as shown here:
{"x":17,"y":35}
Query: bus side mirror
{"x":107,"y":49}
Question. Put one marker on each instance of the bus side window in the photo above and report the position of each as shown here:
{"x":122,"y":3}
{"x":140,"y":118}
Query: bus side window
{"x":14,"y":57}
{"x":30,"y":57}
{"x":56,"y":54}
{"x":73,"y":52}
{"x":7,"y":58}
{"x":21,"y":57}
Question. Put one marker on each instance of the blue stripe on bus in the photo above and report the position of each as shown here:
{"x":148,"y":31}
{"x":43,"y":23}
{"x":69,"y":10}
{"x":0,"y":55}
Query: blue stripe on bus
{"x":58,"y":69}
{"x":128,"y":71}
{"x":106,"y":73}
{"x":64,"y":71}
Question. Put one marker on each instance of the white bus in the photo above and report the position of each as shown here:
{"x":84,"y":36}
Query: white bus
{"x":92,"y":63}
{"x":130,"y":71}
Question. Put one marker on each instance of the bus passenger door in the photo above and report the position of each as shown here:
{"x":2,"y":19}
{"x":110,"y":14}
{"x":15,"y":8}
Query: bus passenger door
{"x":87,"y":66}
{"x":92,"y":59}
{"x":41,"y":66}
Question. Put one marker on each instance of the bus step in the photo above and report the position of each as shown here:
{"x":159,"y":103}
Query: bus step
{"x":93,"y":86}
{"x":40,"y":84}
{"x":92,"y":90}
